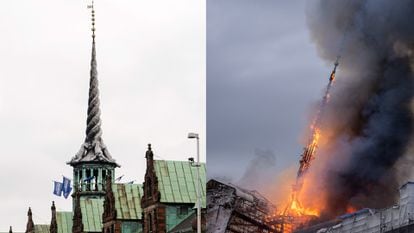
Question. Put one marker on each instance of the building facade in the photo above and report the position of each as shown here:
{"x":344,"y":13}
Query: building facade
{"x":165,"y":200}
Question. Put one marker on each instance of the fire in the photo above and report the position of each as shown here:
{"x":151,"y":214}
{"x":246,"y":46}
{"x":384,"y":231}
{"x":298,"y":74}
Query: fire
{"x":350,"y":209}
{"x":298,"y":210}
{"x":302,"y":205}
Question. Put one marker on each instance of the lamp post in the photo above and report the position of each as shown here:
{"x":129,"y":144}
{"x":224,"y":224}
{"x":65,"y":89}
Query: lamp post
{"x":197,"y":165}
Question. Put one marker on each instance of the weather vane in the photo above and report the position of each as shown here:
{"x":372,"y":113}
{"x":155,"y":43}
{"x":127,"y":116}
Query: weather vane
{"x":91,"y":6}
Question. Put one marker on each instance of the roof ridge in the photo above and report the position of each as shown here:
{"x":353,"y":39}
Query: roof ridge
{"x":171,"y":160}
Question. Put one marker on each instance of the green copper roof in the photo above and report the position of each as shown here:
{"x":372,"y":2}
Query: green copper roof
{"x":176,"y":181}
{"x":64,"y":222}
{"x":128,"y":200}
{"x":42,"y":228}
{"x":92,"y":209}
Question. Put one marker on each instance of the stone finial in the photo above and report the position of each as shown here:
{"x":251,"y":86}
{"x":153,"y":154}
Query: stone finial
{"x":30,"y":223}
{"x":53,"y":221}
{"x":149,"y":154}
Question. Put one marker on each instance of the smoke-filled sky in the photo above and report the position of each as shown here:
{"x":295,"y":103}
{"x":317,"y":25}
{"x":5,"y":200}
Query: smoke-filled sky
{"x":151,"y":69}
{"x":369,"y":120}
{"x":267,"y":65}
{"x":263,"y":78}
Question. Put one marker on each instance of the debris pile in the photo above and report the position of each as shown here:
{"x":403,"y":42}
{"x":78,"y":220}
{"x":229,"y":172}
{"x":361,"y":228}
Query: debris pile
{"x":233,"y":209}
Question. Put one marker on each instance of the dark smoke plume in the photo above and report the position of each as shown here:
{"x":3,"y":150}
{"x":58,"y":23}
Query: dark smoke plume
{"x":369,"y":116}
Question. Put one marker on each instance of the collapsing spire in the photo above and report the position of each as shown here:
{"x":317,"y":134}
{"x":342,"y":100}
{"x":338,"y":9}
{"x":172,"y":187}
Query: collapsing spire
{"x":309,"y":153}
{"x":93,"y":149}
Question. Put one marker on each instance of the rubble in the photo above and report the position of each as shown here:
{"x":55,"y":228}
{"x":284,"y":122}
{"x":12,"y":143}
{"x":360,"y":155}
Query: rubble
{"x":234,"y":209}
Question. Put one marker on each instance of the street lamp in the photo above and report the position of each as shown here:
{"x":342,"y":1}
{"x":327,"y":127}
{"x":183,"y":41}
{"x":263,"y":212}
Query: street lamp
{"x":197,"y":165}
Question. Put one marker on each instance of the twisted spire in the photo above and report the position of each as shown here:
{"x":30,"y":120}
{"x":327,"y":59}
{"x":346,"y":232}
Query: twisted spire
{"x":93,"y":149}
{"x":93,"y":127}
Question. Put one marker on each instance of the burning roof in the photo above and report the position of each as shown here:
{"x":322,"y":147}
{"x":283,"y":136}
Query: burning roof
{"x":398,"y":217}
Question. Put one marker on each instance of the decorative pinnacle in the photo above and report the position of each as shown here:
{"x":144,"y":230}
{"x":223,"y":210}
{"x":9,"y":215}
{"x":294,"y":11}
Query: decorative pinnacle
{"x":149,"y":154}
{"x":93,"y":20}
{"x":30,"y":224}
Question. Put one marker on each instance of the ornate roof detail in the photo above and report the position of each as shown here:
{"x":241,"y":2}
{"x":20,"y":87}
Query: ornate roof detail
{"x":109,"y":213}
{"x":77,"y":226}
{"x":151,"y":194}
{"x":53,"y":222}
{"x":93,"y":149}
{"x":30,"y":224}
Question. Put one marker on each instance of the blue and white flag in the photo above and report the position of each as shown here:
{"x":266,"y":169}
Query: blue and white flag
{"x":58,"y":189}
{"x":66,"y":187}
{"x":66,"y":194}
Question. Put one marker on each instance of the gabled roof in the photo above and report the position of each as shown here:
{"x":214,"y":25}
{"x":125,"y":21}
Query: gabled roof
{"x":128,"y":201}
{"x":92,"y":209}
{"x":41,"y":228}
{"x":177,"y":181}
{"x":127,"y":204}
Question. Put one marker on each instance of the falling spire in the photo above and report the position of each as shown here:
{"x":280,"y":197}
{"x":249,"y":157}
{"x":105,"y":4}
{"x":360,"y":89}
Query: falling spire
{"x":93,"y":149}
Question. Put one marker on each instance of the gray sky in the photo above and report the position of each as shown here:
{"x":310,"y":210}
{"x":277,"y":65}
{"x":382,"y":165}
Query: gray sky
{"x":151,"y":65}
{"x":263,"y":78}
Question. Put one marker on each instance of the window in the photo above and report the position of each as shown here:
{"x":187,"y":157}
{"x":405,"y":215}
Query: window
{"x":103,"y":179}
{"x":95,"y":179}
{"x":88,"y":182}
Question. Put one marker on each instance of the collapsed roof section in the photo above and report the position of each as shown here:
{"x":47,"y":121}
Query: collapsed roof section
{"x":233,"y":209}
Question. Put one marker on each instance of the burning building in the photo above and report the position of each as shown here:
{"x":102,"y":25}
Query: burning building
{"x":365,"y":131}
{"x":395,"y":219}
{"x":360,"y":142}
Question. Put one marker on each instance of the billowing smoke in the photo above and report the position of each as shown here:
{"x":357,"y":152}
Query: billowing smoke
{"x":368,"y":121}
{"x":259,"y":170}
